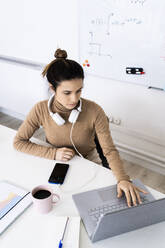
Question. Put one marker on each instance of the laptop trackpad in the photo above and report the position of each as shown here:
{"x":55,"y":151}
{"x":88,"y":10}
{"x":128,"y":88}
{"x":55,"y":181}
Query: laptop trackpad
{"x":110,"y":195}
{"x":107,"y":194}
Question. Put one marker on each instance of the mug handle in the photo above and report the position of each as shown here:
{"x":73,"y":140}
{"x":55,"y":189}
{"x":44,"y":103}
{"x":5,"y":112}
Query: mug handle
{"x":58,"y":198}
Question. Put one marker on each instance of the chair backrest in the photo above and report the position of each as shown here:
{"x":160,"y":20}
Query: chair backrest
{"x":100,"y":152}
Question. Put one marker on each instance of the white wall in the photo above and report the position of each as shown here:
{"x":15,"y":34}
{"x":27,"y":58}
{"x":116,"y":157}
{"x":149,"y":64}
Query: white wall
{"x":20,"y":88}
{"x":140,"y":109}
{"x":141,"y":135}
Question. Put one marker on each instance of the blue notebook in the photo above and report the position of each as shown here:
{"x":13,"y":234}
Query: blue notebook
{"x":13,"y":201}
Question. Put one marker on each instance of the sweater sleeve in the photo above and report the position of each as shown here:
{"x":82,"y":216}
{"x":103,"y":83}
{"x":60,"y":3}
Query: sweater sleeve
{"x":108,"y":147}
{"x":22,"y":141}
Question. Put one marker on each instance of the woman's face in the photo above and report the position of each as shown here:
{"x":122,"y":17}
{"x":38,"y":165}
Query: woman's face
{"x":68,"y":93}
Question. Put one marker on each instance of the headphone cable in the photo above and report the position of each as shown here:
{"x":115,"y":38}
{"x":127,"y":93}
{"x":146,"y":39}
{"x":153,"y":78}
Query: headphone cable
{"x":71,"y":131}
{"x":86,"y":183}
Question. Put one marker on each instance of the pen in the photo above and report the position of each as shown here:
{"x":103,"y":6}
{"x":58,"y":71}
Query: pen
{"x":61,"y":241}
{"x":150,"y":87}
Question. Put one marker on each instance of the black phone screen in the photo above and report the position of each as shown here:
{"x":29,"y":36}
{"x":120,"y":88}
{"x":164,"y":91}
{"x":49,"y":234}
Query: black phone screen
{"x":58,"y":174}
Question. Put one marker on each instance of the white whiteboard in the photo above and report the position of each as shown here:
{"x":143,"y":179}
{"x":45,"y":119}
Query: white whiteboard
{"x":115,"y":34}
{"x":25,"y":30}
{"x":33,"y":29}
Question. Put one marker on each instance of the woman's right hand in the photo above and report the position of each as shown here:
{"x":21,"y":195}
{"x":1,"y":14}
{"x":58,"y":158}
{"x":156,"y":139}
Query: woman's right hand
{"x":64,"y":154}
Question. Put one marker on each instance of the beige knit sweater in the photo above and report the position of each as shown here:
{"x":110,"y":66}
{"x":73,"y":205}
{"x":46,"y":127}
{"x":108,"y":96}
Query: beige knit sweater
{"x":91,"y":120}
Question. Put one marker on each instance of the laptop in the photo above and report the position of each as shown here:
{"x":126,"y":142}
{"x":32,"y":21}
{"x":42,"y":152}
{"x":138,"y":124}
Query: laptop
{"x":104,"y":215}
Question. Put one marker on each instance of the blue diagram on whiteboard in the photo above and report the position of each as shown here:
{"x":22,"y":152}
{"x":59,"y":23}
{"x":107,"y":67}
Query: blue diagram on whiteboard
{"x":116,"y":34}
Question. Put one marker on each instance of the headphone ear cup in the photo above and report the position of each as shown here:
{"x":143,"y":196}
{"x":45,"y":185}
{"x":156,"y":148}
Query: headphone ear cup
{"x":73,"y":116}
{"x":58,"y":119}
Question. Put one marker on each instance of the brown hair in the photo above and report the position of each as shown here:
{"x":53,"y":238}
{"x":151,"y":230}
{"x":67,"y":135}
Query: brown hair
{"x":62,"y":69}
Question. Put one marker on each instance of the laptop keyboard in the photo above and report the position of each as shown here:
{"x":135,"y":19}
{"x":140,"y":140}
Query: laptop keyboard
{"x":96,"y":212}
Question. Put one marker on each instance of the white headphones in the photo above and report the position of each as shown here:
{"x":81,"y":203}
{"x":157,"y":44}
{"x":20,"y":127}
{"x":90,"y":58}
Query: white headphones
{"x":58,"y":119}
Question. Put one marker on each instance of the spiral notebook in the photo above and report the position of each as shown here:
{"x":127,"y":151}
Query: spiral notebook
{"x":14,"y":200}
{"x":71,"y":238}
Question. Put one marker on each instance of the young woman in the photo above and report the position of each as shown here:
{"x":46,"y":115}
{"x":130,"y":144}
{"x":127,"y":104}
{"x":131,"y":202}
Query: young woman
{"x":71,"y":123}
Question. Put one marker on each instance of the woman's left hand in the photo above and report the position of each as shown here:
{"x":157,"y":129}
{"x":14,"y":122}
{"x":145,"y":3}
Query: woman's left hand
{"x":131,"y":192}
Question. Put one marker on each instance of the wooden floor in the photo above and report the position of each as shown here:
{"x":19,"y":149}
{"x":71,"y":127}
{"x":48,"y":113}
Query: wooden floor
{"x":148,"y":177}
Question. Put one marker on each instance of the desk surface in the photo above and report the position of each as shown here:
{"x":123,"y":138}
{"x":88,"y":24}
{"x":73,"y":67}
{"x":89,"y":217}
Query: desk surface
{"x":29,"y":171}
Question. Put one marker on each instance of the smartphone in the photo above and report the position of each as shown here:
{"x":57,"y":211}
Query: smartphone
{"x":58,"y":174}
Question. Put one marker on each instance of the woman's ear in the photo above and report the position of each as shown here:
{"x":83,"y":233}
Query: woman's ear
{"x":51,"y":88}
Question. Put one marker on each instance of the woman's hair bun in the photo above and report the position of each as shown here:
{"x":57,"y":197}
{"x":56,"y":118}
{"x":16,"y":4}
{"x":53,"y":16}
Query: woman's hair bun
{"x":60,"y":54}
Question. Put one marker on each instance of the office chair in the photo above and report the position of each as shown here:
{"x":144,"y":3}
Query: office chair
{"x":100,"y":152}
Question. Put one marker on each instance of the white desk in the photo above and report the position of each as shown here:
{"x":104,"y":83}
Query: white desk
{"x":28,"y":171}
